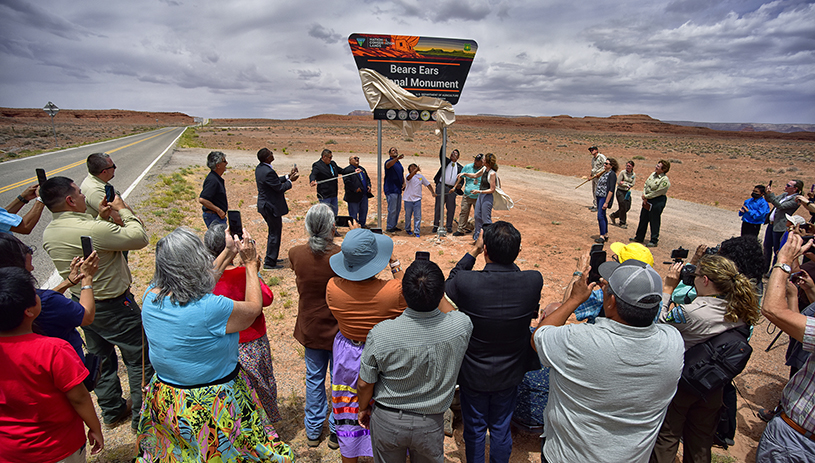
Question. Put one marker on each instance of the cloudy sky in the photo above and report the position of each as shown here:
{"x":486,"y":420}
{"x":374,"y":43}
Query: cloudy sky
{"x":701,"y":60}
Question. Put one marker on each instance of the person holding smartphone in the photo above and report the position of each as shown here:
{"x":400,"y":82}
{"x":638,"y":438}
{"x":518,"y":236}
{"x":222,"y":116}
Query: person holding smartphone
{"x":101,"y":170}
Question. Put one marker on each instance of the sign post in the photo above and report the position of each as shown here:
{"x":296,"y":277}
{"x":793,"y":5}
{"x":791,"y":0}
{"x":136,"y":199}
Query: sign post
{"x":52,"y":111}
{"x":432,"y":67}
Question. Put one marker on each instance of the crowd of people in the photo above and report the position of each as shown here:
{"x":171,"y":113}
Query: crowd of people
{"x":399,"y":344}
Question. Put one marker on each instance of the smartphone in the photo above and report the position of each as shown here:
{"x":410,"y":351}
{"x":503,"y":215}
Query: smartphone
{"x":770,"y":184}
{"x":235,"y":224}
{"x":596,"y":247}
{"x":378,"y":231}
{"x":343,"y":220}
{"x":110,"y":193}
{"x":597,"y":258}
{"x":806,"y":239}
{"x":41,"y":178}
{"x":87,"y":246}
{"x":422,"y":255}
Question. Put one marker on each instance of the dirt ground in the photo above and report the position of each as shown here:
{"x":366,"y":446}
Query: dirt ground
{"x":540,"y":166}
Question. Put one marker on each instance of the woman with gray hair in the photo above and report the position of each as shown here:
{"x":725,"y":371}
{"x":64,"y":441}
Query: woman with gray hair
{"x":213,"y":195}
{"x":198,"y":406}
{"x":254,"y":353}
{"x":316,"y":327}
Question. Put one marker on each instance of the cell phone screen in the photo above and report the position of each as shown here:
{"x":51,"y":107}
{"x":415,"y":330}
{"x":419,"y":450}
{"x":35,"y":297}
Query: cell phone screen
{"x":87,"y":246}
{"x":41,"y":176}
{"x":235,"y":224}
{"x":343,"y":220}
{"x":597,"y":258}
{"x":422,"y":255}
{"x":110,"y":193}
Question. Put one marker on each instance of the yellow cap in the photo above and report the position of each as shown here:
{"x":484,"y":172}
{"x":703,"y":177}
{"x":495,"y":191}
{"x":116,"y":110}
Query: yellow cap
{"x":633,"y":251}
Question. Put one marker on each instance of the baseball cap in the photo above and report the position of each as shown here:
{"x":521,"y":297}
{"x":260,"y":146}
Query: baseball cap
{"x":632,"y":251}
{"x":631,"y":281}
{"x":592,"y":148}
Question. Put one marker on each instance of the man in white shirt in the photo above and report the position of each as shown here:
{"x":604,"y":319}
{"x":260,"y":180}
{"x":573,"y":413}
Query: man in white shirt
{"x":447,"y":182}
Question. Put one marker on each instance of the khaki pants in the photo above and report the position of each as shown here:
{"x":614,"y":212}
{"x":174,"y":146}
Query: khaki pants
{"x":463,"y":217}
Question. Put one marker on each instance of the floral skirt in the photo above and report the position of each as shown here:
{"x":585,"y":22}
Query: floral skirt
{"x":213,"y":423}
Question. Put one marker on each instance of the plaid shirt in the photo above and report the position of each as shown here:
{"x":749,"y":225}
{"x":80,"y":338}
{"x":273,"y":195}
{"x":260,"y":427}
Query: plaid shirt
{"x":798,"y":399}
{"x":590,"y":309}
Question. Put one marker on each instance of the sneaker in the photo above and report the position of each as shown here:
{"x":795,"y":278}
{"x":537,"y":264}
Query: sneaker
{"x":624,"y":226}
{"x":416,"y":235}
{"x":333,"y":443}
{"x":435,"y":229}
{"x":458,"y":233}
{"x":650,"y":244}
{"x":313,"y":442}
{"x":593,"y":209}
{"x":409,"y":234}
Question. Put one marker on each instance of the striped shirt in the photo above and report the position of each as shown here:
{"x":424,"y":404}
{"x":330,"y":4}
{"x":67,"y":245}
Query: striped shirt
{"x":798,"y":399}
{"x":414,"y":359}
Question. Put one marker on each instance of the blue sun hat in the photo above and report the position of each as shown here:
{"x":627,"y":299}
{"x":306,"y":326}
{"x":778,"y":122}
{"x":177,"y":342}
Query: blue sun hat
{"x":364,"y":254}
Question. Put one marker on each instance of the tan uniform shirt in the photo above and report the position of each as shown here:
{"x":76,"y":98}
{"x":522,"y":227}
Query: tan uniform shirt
{"x":61,"y":240}
{"x":94,"y":191}
{"x":597,"y":164}
{"x":656,"y":185}
{"x":625,"y":181}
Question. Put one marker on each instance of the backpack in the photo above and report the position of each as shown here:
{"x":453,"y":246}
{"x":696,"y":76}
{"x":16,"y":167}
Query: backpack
{"x":711,"y":364}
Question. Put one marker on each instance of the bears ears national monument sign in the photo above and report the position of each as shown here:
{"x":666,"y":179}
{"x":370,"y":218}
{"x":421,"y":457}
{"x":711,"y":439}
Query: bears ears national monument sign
{"x":425,"y":66}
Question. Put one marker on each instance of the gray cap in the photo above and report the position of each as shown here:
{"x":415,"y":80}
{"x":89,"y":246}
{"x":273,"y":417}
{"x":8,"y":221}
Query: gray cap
{"x":631,"y":281}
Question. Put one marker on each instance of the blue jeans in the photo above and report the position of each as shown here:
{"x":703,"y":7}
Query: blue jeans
{"x":413,"y":208}
{"x":317,"y":364}
{"x":483,"y":410}
{"x":602,"y":219}
{"x":359,"y":211}
{"x":394,"y":209}
{"x":210,"y":217}
{"x":482,"y":214}
{"x":332,"y":203}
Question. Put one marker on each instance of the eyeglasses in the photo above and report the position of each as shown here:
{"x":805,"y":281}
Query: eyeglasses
{"x":356,"y":158}
{"x":31,"y":249}
{"x":607,"y":163}
{"x":111,"y":167}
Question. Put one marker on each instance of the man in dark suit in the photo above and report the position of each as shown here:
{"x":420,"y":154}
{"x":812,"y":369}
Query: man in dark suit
{"x":322,"y":173}
{"x":447,"y":181}
{"x":272,"y":203}
{"x":357,"y":191}
{"x":501,"y":301}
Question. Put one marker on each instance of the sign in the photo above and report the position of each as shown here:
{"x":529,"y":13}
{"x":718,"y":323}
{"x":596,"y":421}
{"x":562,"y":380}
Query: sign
{"x":425,"y":66}
{"x":51,"y":109}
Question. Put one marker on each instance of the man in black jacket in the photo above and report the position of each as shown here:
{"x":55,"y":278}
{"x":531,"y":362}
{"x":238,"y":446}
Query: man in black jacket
{"x":272,"y":203}
{"x":357,"y":191}
{"x":501,"y":301}
{"x":322,"y":173}
{"x":447,"y":182}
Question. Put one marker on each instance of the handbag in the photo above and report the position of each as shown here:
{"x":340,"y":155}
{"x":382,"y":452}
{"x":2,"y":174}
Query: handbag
{"x":500,"y":200}
{"x":94,"y":365}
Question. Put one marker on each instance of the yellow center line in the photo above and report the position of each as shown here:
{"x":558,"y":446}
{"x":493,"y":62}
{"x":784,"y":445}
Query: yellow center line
{"x":69,"y":166}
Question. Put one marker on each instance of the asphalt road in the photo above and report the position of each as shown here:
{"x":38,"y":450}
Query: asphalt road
{"x":134,"y":156}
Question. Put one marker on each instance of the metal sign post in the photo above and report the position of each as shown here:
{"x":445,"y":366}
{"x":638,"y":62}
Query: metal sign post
{"x":52,"y":111}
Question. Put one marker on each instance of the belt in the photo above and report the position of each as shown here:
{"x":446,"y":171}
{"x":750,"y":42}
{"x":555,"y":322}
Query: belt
{"x":794,"y":425}
{"x":404,"y":412}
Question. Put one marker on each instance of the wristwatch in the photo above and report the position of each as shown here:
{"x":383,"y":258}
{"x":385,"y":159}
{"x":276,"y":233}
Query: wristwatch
{"x":783,"y":267}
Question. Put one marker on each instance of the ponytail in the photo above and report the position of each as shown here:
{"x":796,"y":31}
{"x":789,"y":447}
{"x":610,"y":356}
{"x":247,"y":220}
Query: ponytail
{"x":742,"y":303}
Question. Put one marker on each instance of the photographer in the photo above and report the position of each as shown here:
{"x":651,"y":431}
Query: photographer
{"x":726,"y":300}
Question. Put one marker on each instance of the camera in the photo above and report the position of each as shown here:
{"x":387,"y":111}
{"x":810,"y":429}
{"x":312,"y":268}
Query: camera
{"x":687,"y":274}
{"x":713,"y":251}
